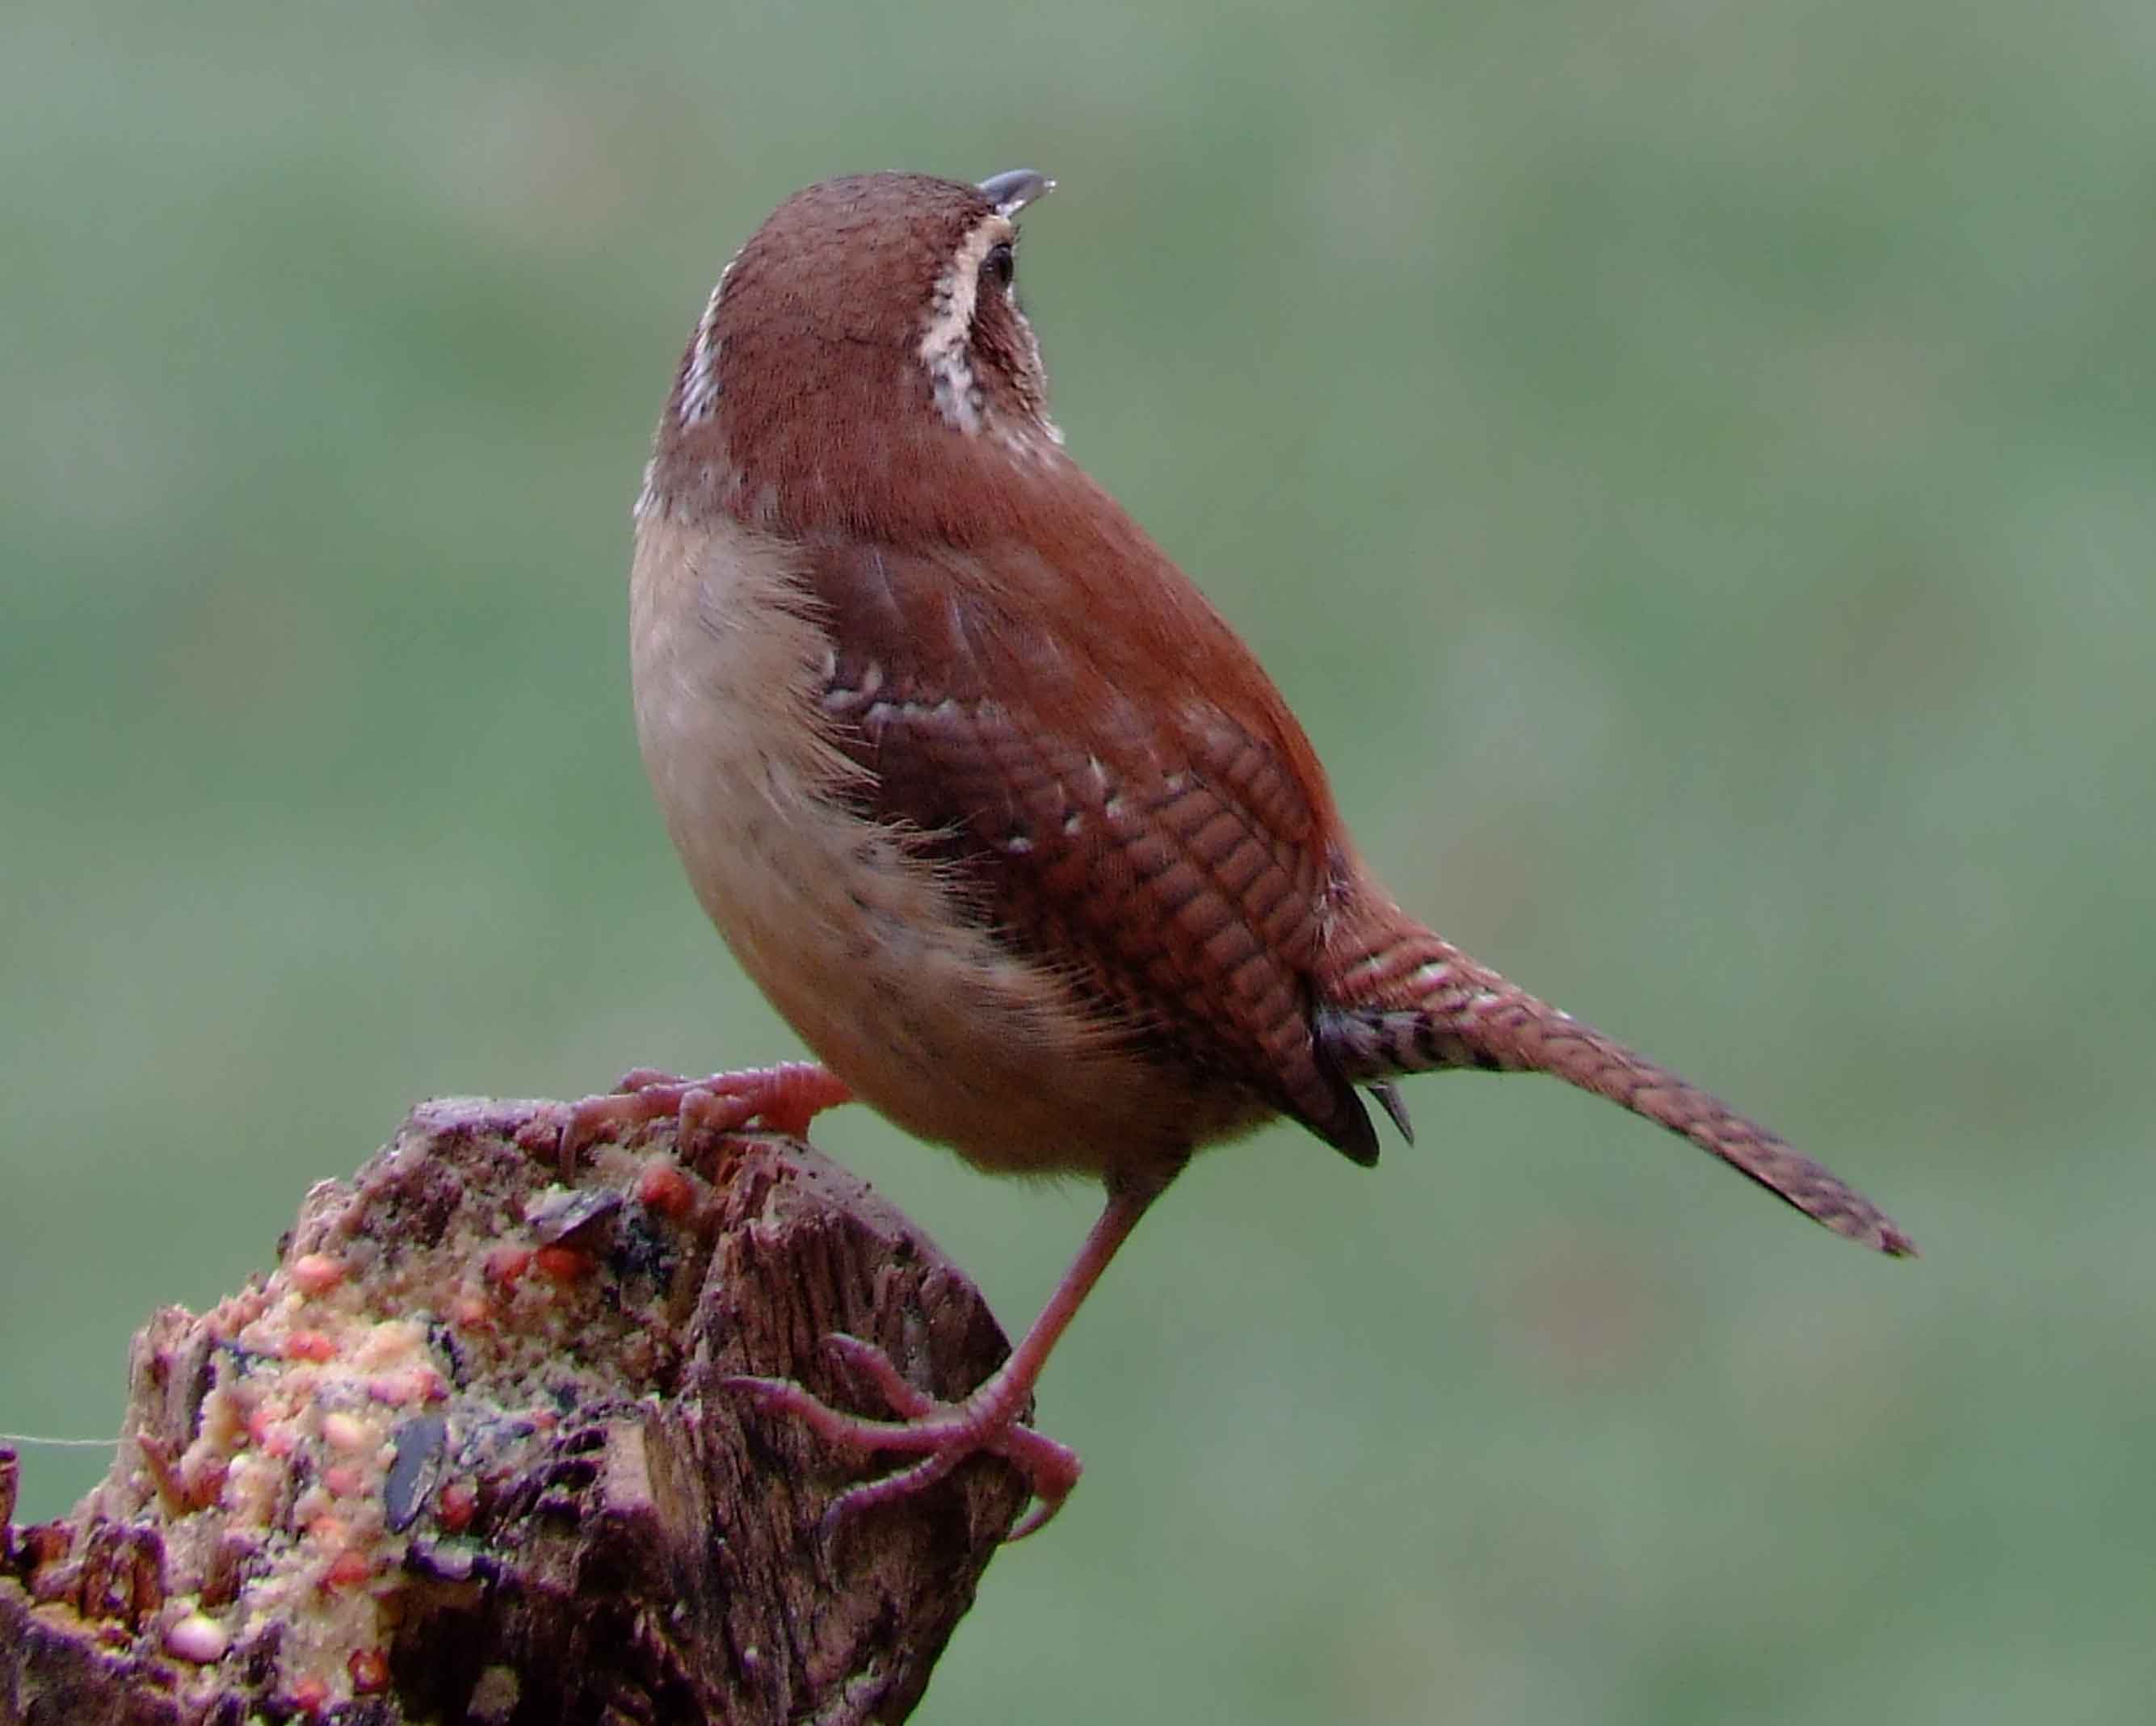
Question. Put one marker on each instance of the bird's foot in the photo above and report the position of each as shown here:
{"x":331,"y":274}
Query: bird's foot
{"x":942,"y":1434}
{"x":783,"y":1098}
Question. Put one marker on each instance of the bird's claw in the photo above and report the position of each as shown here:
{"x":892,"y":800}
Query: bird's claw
{"x":784,"y":1098}
{"x":942,"y":1434}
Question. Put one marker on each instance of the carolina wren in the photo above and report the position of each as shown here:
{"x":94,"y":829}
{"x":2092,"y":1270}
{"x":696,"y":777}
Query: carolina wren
{"x":991,"y":803}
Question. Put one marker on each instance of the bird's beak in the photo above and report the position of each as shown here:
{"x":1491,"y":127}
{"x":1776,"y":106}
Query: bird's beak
{"x":1012,"y":192}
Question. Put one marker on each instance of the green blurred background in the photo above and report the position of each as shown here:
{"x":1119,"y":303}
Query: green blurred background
{"x":1690,"y":466}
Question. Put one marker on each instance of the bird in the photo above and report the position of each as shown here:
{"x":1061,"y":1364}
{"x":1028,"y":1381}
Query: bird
{"x":997,"y":810}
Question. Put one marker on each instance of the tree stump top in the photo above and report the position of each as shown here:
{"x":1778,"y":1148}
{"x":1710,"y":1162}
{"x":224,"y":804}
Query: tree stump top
{"x":464,"y":1454}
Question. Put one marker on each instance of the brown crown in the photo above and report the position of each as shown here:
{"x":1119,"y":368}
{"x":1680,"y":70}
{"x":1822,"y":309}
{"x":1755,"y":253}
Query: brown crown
{"x":859,"y":360}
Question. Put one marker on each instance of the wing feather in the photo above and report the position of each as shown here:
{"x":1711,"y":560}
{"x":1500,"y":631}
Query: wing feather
{"x":1176,"y":871}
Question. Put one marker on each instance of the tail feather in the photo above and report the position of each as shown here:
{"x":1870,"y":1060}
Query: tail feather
{"x":1421,"y":1004}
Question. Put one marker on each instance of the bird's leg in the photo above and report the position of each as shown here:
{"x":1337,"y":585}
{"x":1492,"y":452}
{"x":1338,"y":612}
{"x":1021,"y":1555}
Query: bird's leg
{"x":785,"y":1098}
{"x":944,"y":1434}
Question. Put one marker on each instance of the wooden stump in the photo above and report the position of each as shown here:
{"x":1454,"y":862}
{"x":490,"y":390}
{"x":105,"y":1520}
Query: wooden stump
{"x":464,"y":1454}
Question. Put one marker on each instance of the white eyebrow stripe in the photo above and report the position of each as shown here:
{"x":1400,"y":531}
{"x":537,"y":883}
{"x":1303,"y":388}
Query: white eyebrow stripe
{"x":699,"y":386}
{"x":943,"y":349}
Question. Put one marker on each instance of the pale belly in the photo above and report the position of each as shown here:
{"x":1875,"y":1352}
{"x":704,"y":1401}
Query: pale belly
{"x":849,"y":933}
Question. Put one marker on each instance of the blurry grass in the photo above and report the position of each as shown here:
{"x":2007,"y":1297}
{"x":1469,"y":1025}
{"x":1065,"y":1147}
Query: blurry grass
{"x":1689,"y":465}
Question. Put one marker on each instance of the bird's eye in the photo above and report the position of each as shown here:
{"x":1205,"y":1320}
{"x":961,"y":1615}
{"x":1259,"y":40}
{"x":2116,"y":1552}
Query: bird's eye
{"x":1001,"y":263}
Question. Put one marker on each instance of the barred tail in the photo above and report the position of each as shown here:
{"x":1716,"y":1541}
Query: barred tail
{"x":1419,"y":1004}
